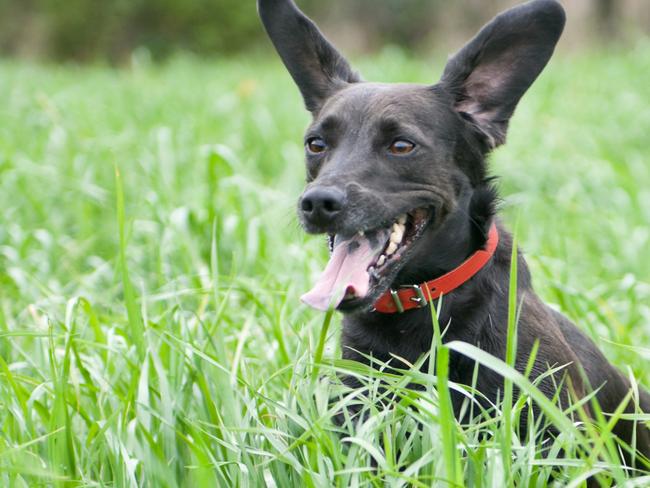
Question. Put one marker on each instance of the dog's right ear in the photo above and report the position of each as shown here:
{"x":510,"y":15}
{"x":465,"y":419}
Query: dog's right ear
{"x":314,"y":64}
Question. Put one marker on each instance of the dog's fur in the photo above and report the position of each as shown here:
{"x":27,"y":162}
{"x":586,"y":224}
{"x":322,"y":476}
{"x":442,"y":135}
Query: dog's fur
{"x":454,"y":124}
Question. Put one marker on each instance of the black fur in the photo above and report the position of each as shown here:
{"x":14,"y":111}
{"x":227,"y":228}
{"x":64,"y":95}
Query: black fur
{"x":454,"y":124}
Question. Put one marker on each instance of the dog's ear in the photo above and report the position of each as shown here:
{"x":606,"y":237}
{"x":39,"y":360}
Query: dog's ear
{"x":315,"y":65}
{"x":490,"y":74}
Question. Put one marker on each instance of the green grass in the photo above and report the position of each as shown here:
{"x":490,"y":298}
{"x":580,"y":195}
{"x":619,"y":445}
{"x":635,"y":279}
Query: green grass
{"x":151,"y":263}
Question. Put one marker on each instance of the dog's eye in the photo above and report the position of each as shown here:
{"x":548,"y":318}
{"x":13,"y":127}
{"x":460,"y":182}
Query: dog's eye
{"x":401,"y":146}
{"x":316,"y":145}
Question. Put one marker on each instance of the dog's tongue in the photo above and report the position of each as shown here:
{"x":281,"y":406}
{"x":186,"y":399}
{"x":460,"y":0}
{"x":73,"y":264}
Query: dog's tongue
{"x":346,"y":274}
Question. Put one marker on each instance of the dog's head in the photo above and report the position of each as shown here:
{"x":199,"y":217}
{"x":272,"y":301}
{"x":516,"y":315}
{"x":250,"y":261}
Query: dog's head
{"x":389,"y":164}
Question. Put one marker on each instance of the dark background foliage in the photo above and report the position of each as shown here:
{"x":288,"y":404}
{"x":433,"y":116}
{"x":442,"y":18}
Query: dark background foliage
{"x":110,"y":30}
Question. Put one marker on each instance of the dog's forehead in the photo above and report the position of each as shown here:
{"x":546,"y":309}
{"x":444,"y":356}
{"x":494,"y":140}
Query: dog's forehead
{"x":377,"y":100}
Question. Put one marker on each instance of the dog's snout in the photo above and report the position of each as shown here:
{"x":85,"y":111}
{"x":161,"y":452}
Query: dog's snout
{"x":321,"y":205}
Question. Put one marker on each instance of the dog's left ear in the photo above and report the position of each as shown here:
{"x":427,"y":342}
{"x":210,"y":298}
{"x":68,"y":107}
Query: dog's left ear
{"x":314,"y":64}
{"x":491,"y":73}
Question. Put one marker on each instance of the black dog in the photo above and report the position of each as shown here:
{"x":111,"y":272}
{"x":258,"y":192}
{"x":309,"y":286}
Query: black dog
{"x":397,"y":179}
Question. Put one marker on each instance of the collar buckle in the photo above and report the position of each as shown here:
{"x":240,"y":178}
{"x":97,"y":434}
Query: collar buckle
{"x":419,"y":299}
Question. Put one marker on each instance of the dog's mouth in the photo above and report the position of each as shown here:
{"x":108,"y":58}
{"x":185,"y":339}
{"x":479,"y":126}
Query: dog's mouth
{"x":363,"y":266}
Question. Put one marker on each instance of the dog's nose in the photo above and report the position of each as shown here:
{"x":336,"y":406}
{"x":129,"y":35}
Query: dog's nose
{"x":322,"y":204}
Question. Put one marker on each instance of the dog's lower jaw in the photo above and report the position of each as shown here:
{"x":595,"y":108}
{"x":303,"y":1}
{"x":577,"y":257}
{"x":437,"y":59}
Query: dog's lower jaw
{"x":362,"y":265}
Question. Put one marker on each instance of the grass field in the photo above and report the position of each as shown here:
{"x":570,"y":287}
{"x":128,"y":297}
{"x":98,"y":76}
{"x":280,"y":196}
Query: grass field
{"x":151,"y":264}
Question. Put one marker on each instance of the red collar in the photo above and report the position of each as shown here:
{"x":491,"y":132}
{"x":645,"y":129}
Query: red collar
{"x":417,"y":296}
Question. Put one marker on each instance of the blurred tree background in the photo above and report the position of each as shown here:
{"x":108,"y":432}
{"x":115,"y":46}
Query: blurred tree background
{"x":110,"y":30}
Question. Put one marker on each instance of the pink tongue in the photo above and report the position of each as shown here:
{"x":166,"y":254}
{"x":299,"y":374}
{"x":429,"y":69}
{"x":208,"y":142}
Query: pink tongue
{"x":346,"y":273}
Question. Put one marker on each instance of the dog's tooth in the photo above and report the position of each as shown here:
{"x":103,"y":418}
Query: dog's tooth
{"x":402,"y":219}
{"x":392,"y":247}
{"x":381,"y":260}
{"x":398,"y":234}
{"x":361,"y":233}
